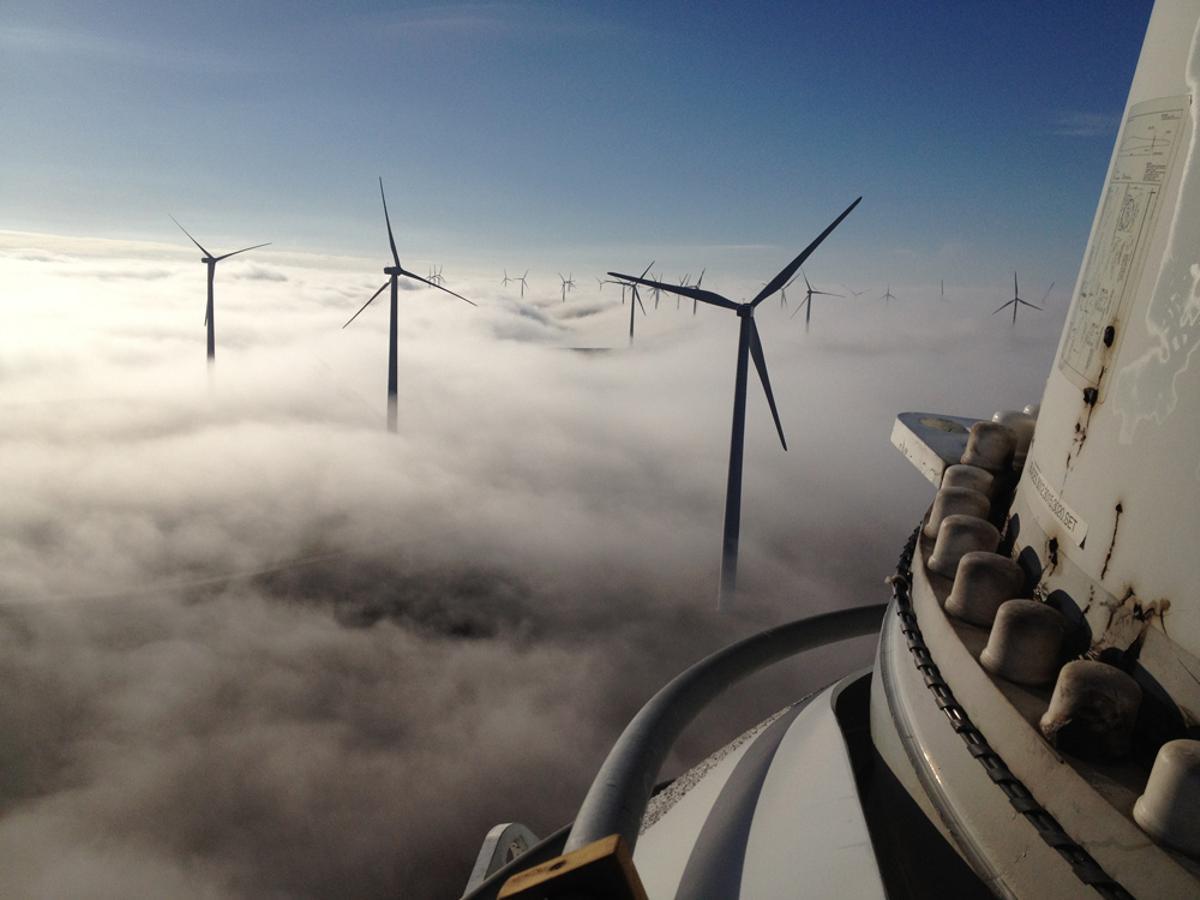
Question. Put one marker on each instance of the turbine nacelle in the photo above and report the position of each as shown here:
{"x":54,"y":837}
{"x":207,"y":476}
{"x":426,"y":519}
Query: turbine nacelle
{"x":394,"y":270}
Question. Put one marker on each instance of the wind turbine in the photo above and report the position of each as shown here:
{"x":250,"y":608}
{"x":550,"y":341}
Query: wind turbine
{"x":1017,"y":301}
{"x":522,"y":280}
{"x":567,"y":284}
{"x":506,"y":280}
{"x":853,"y":291}
{"x":942,"y":282}
{"x":211,"y":261}
{"x":682,"y":283}
{"x":807,"y":302}
{"x":698,"y":283}
{"x":783,"y":293}
{"x":749,"y":345}
{"x":394,"y":272}
{"x":888,"y":295}
{"x":637,"y":298}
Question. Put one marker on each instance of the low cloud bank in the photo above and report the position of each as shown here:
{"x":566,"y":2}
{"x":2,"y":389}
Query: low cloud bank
{"x":254,"y":645}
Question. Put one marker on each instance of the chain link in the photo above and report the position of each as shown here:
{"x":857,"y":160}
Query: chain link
{"x":1085,"y":867}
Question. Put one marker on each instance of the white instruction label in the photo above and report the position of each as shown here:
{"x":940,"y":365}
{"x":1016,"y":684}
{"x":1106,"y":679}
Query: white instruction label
{"x":1145,"y":163}
{"x":1061,"y":516}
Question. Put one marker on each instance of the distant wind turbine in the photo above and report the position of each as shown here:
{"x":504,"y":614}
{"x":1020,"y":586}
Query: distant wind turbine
{"x":567,"y":284}
{"x":435,"y":276}
{"x":888,"y":295}
{"x":1017,"y":301}
{"x":682,"y":283}
{"x":853,"y":291}
{"x":506,"y":279}
{"x":942,"y":282}
{"x":699,"y":281}
{"x":211,"y":261}
{"x":807,"y":302}
{"x":394,"y":272}
{"x":783,"y":293}
{"x":749,"y":345}
{"x":637,"y":298}
{"x":522,"y":280}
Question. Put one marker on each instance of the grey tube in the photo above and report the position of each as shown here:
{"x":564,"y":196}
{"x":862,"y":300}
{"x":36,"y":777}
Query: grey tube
{"x":616,"y":801}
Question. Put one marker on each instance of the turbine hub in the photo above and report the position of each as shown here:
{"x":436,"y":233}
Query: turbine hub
{"x":393,"y":270}
{"x":207,"y":259}
{"x":745,"y":311}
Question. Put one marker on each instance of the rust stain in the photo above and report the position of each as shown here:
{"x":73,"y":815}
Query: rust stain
{"x":1112,"y":543}
{"x":1041,"y":589}
{"x":1128,"y":619}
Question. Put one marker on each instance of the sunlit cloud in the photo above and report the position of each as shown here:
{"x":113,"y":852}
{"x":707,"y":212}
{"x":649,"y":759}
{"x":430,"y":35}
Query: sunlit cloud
{"x":261,"y":273}
{"x":235,"y":598}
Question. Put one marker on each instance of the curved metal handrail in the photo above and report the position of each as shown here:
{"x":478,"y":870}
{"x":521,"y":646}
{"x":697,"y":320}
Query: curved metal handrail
{"x":616,"y":801}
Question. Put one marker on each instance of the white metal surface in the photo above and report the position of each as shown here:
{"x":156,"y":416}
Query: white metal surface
{"x":1114,"y":473}
{"x":803,"y":835}
{"x":923,"y":750}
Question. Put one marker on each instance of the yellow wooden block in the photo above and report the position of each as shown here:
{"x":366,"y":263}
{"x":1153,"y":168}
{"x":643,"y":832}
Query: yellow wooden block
{"x":602,"y":870}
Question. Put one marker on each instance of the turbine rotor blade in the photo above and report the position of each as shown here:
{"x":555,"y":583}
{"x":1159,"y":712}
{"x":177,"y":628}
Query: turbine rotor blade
{"x":1005,"y":306}
{"x":760,"y":363}
{"x":781,"y":279}
{"x":388,"y":219}
{"x":189,"y":234}
{"x":243,"y":250}
{"x":1033,"y":305}
{"x":682,"y":290}
{"x":438,"y":286}
{"x":638,"y":297}
{"x":1047,"y":294}
{"x":644,"y":271}
{"x":368,"y":303}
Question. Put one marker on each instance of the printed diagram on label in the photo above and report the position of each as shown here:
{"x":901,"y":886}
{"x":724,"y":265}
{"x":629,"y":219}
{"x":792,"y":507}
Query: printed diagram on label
{"x":1145,"y":162}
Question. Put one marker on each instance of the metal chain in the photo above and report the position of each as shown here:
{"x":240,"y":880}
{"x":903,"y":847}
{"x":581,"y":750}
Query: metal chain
{"x":1085,"y":867}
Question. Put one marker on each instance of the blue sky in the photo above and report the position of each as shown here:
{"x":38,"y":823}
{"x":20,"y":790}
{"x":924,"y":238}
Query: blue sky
{"x":569,"y":133}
